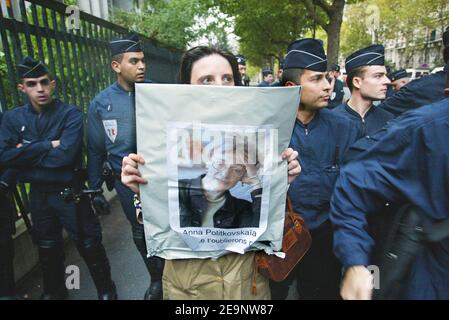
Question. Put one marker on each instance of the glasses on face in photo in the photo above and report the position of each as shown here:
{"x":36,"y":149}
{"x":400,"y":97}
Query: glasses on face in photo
{"x":32,"y":83}
{"x":235,"y":169}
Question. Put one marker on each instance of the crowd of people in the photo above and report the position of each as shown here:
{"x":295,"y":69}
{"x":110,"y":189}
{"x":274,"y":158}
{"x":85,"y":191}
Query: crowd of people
{"x":350,"y":164}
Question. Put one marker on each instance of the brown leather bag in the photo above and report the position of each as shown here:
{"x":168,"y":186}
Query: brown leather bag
{"x":295,"y":243}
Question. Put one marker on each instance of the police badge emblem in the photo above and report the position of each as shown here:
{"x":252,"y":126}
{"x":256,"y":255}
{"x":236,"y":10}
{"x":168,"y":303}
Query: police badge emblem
{"x":110,"y":127}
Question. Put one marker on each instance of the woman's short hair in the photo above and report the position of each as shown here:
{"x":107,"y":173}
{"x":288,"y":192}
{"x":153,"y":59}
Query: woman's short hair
{"x":196,"y":53}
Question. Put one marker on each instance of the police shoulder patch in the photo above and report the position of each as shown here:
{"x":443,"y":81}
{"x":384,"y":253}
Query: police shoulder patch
{"x":110,"y":127}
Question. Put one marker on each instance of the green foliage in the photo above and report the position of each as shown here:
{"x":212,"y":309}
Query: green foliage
{"x":354,"y":32}
{"x":406,"y":20}
{"x":176,"y":23}
{"x":70,"y":2}
{"x":86,"y":74}
{"x":266,"y":27}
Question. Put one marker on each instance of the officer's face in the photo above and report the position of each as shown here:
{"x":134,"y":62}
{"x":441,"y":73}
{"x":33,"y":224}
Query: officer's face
{"x":131,"y":68}
{"x":315,"y":90}
{"x":212,"y":70}
{"x":374,"y":83}
{"x":398,"y":84}
{"x":280,"y":72}
{"x":335,"y":74}
{"x":242,"y":69}
{"x":269,"y":78}
{"x":39,"y":90}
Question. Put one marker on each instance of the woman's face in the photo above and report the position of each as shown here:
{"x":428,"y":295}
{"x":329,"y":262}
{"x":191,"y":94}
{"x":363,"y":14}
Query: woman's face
{"x":224,"y":177}
{"x":212,"y":70}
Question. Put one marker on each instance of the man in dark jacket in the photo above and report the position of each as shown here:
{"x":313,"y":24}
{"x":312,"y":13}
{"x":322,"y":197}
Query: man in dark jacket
{"x":43,"y":139}
{"x":7,"y":212}
{"x":408,"y":165}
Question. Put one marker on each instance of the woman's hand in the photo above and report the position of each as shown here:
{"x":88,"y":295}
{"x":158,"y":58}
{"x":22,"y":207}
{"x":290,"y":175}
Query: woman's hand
{"x":357,"y":284}
{"x":294,"y":169}
{"x":131,"y":176}
{"x":251,"y":176}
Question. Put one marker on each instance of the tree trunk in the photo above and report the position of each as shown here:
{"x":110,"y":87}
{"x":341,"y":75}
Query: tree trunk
{"x":333,"y":31}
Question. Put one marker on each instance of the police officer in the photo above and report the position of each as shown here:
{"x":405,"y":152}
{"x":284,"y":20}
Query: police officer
{"x":321,"y":138}
{"x":399,"y":79}
{"x":7,"y":286}
{"x":338,"y":92}
{"x":277,"y":83}
{"x":409,"y":165}
{"x":419,"y":92}
{"x":43,"y":139}
{"x":367,"y":79}
{"x":267,"y":75}
{"x":7,"y":211}
{"x":241,"y":61}
{"x":112,"y":136}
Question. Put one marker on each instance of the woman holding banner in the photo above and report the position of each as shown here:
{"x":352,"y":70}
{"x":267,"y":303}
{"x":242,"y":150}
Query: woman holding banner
{"x":232,"y":276}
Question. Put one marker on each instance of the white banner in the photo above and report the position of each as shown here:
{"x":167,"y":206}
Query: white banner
{"x":217,"y":182}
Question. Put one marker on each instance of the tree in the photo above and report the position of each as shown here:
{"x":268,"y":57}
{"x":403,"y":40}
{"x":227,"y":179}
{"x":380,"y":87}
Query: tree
{"x":407,"y":22}
{"x":354,"y":31}
{"x":174,"y":23}
{"x":329,"y":16}
{"x":411,"y":21}
{"x":265,"y":27}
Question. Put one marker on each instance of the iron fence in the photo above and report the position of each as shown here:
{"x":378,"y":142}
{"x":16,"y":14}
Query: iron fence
{"x":79,"y":58}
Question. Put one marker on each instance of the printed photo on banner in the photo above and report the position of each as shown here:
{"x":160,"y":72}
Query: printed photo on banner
{"x":219,"y":183}
{"x":217,"y":180}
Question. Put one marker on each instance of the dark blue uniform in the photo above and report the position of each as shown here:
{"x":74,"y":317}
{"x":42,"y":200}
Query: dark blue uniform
{"x":390,"y":92}
{"x":408,"y":165}
{"x":111,"y":131}
{"x":373,"y":121}
{"x":49,"y":171}
{"x":416,"y":93}
{"x":338,"y":95}
{"x":264,"y":84}
{"x":112,"y":136}
{"x":7,"y":210}
{"x":320,"y":144}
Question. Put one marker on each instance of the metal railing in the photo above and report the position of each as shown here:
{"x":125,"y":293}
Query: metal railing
{"x":79,"y":57}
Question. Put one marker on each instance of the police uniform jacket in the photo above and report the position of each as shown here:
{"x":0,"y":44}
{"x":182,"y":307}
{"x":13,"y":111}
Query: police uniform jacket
{"x":409,"y":164}
{"x":416,"y":93}
{"x":36,"y":159}
{"x":111,"y":131}
{"x":338,"y":94}
{"x":373,"y":121}
{"x":264,"y":84}
{"x":321,"y":145}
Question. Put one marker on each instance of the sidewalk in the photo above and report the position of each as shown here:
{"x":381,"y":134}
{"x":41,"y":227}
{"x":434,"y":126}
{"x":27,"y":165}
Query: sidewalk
{"x":128,"y":270}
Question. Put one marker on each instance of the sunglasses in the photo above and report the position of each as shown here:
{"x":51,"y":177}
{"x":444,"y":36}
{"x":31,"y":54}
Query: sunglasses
{"x":32,"y":83}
